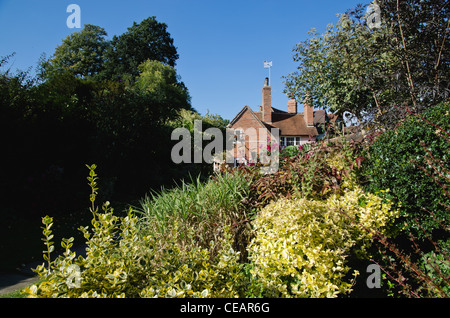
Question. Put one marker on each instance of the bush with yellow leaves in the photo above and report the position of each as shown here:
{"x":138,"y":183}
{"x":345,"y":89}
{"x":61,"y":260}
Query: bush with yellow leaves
{"x":301,"y":246}
{"x":121,"y":261}
{"x":192,"y":273}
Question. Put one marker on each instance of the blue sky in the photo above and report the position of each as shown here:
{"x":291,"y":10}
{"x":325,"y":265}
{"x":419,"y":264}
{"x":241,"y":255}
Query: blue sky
{"x":222,"y":44}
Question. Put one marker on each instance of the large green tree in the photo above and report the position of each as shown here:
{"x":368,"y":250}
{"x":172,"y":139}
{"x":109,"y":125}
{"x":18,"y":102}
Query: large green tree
{"x":343,"y":69}
{"x":147,"y":40}
{"x":81,"y":54}
{"x":420,"y":31}
{"x":366,"y":70}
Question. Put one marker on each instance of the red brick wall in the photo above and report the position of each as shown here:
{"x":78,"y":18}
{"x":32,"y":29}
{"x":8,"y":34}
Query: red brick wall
{"x":250,"y":126}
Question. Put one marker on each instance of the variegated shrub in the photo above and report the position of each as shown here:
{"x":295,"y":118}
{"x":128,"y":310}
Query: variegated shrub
{"x":301,"y":246}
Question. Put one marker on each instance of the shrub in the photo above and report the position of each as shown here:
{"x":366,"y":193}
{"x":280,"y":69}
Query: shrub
{"x":301,"y":246}
{"x":437,"y":268}
{"x":123,"y":262}
{"x":190,"y":272}
{"x":322,"y":170}
{"x":112,"y":267}
{"x":412,"y":161}
{"x":202,"y":209}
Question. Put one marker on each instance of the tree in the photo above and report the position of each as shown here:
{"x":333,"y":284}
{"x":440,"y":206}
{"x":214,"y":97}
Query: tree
{"x":163,"y":83}
{"x":420,"y":29}
{"x":367,"y":70}
{"x":148,"y":40}
{"x":81,"y":54}
{"x":343,"y":70}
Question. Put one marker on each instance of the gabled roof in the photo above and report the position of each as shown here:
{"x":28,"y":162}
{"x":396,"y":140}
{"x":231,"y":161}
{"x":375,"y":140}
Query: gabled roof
{"x":243,"y":110}
{"x":289,"y":124}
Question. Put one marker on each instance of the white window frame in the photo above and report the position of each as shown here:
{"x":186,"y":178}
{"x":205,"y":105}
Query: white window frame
{"x":295,"y":142}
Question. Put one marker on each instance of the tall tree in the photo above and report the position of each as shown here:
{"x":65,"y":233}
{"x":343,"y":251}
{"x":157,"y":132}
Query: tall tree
{"x":147,"y":40}
{"x":367,"y":70}
{"x":420,"y":29}
{"x":81,"y":54}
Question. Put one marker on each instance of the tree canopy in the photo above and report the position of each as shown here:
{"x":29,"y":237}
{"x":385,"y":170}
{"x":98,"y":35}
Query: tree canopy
{"x":81,"y":53}
{"x":147,"y":40}
{"x":88,"y":53}
{"x":112,"y":103}
{"x":366,"y":70}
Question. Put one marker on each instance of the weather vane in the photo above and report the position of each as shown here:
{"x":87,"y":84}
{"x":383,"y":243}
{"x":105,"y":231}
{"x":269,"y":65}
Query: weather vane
{"x":268,"y":65}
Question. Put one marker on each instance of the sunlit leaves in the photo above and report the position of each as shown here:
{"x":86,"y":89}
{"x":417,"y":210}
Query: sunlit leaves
{"x":301,"y":246}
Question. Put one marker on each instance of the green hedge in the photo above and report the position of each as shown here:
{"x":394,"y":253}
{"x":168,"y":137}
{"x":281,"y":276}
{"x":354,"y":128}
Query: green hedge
{"x":413,"y":162}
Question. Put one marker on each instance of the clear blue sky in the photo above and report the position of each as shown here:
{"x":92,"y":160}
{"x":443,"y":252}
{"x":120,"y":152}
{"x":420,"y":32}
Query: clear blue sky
{"x":222,"y":44}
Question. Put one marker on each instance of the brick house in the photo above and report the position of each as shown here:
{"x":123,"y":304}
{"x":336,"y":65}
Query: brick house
{"x":294,"y":128}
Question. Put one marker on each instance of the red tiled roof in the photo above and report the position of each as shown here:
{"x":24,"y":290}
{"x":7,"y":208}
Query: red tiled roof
{"x":292,"y":124}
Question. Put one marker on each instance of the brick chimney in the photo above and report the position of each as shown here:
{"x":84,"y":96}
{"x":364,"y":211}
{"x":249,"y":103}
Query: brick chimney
{"x":267,"y":102}
{"x":308,"y":112}
{"x":292,"y":106}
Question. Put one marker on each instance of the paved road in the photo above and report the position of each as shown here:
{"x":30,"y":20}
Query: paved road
{"x":22,"y":277}
{"x":11,"y":282}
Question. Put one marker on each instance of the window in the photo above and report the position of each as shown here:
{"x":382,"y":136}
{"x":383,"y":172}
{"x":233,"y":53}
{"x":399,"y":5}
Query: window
{"x":289,"y":141}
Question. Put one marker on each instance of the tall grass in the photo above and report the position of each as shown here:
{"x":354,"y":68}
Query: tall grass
{"x":200,"y":210}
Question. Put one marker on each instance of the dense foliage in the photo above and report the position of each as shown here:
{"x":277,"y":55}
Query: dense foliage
{"x":76,"y":111}
{"x":121,"y":261}
{"x":303,"y":231}
{"x":365,"y":70}
{"x":201,"y":210}
{"x":412,"y":161}
{"x":301,"y":246}
{"x":208,"y":239}
{"x":315,"y":173}
{"x":81,"y":54}
{"x":88,"y":54}
{"x":71,"y":114}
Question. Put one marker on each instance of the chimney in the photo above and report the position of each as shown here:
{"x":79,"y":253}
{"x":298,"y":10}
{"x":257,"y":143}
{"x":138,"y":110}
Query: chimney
{"x":267,"y":102}
{"x":308,"y":112}
{"x":292,"y":106}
